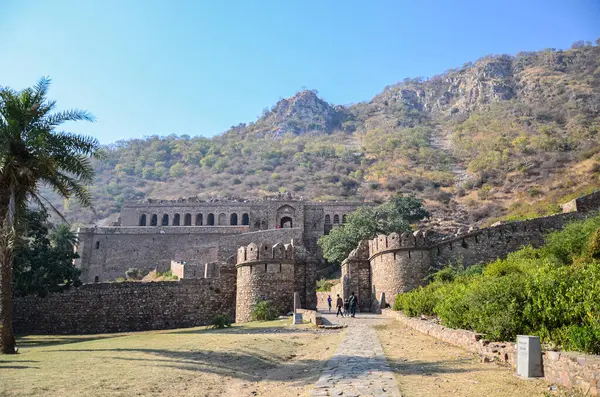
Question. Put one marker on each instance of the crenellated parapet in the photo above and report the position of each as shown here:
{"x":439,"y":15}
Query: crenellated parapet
{"x":419,"y":240}
{"x":264,"y":253}
{"x":272,"y":273}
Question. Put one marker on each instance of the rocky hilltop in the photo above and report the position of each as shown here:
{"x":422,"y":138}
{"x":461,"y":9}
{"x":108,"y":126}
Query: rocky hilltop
{"x":502,"y":137}
{"x":302,"y":113}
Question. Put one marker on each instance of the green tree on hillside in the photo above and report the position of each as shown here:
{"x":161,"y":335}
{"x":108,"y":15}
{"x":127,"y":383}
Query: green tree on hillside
{"x":33,"y":152}
{"x":366,"y":222}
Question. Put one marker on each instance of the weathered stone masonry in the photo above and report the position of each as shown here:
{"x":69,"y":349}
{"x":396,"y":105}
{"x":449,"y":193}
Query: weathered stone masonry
{"x":128,"y":306}
{"x":150,"y":235}
{"x":400,"y":263}
{"x":272,"y":273}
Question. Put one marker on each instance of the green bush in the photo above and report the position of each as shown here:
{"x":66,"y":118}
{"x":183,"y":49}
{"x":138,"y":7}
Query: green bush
{"x":220,"y":321}
{"x":324,"y":285}
{"x":263,"y":311}
{"x":552,"y":292}
{"x":134,"y":274}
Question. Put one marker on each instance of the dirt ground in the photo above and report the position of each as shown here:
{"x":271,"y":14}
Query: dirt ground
{"x":257,"y":359}
{"x":427,"y":367}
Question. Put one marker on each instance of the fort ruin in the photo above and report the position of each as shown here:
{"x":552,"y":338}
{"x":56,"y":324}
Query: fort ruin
{"x":248,"y":264}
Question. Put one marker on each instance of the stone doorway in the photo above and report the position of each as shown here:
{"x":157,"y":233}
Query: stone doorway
{"x":286,"y":223}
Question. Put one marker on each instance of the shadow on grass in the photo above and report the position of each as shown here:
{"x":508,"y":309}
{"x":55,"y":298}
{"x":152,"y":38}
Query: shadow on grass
{"x":43,"y":341}
{"x":16,"y":366}
{"x":255,"y":366}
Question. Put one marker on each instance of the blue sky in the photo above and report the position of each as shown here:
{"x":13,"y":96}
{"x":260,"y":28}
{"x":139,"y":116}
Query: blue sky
{"x":197,"y":67}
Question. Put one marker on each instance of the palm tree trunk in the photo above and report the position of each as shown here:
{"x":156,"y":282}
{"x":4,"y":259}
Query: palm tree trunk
{"x":7,"y":229}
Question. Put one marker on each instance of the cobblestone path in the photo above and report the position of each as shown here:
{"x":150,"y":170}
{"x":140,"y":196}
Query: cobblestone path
{"x":358,"y":367}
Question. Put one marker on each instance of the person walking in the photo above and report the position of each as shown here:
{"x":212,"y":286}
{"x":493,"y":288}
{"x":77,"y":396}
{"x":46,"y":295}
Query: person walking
{"x":329,"y":302}
{"x":352,"y":301}
{"x":339,"y":304}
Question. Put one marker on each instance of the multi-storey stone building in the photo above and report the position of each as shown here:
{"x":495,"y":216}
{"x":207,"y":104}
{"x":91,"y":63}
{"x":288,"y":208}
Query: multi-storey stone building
{"x":149,"y":235}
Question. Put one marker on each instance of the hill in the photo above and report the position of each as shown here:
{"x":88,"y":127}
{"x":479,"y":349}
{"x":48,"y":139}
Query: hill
{"x":503,"y":137}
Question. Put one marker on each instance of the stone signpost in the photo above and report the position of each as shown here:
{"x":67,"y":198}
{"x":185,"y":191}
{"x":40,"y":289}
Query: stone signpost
{"x":529,"y":356}
{"x":297,"y":316}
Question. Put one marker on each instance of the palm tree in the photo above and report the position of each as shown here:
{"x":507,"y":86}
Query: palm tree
{"x":32,"y":153}
{"x":63,"y":237}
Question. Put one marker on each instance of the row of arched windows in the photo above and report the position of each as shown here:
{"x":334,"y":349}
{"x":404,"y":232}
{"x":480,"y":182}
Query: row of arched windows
{"x":336,"y":222}
{"x":336,"y":219}
{"x":221,"y":220}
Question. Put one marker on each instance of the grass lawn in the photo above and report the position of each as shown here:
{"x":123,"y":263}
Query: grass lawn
{"x":427,"y":367}
{"x":255,"y":359}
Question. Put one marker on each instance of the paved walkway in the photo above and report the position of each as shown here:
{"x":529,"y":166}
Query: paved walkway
{"x":358,"y":367}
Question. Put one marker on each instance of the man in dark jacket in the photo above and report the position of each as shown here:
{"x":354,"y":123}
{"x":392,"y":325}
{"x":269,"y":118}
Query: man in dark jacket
{"x":352,"y":301}
{"x":339,"y":304}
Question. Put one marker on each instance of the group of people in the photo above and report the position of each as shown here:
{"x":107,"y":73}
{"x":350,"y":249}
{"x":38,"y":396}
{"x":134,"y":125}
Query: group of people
{"x":344,"y":308}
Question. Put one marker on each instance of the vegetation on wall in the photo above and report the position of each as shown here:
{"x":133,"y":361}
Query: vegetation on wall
{"x":366,"y":222}
{"x":552,"y":292}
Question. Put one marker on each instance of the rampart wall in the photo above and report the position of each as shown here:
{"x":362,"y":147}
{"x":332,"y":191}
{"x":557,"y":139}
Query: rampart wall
{"x":489,"y":244}
{"x":399,"y":263}
{"x":108,"y":252}
{"x":128,"y":306}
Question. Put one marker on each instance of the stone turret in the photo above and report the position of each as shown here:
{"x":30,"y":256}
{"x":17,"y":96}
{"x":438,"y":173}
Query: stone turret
{"x":265,"y":272}
{"x":398,"y":263}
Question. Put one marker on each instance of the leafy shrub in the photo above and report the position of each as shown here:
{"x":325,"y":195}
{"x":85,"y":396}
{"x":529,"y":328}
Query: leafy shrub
{"x":552,"y":292}
{"x":220,"y":321}
{"x":167,"y":275}
{"x":263,"y":311}
{"x":134,"y":274}
{"x":324,"y":285}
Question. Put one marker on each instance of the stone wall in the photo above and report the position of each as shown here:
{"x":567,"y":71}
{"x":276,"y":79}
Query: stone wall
{"x":265,"y":272}
{"x":127,"y":306}
{"x":487,"y":245}
{"x":569,"y":369}
{"x":199,"y":232}
{"x":107,"y":253}
{"x":356,"y":276}
{"x":311,"y":316}
{"x":583,"y":204}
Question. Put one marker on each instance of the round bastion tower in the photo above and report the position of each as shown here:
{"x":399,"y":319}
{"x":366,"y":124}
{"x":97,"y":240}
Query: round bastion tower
{"x":265,"y":272}
{"x":399,"y":263}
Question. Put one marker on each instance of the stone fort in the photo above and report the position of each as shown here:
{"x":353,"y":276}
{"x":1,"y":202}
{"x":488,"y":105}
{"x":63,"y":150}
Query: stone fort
{"x":244,"y":252}
{"x":149,"y":235}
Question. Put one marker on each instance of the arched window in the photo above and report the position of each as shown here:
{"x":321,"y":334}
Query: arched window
{"x":165,"y":220}
{"x":143,"y":220}
{"x":328,"y":225}
{"x":336,"y":219}
{"x":233,"y":219}
{"x":154,"y":220}
{"x":97,"y":245}
{"x":176,"y":220}
{"x":222,"y":219}
{"x":211,"y":220}
{"x":187,"y":221}
{"x":344,"y":218}
{"x":198,"y":219}
{"x":245,"y":219}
